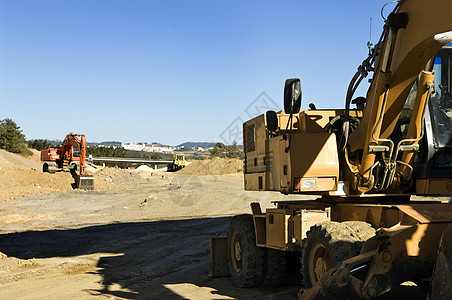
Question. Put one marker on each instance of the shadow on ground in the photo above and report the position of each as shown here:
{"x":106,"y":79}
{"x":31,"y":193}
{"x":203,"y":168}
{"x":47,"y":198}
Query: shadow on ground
{"x":148,"y":260}
{"x":152,"y":260}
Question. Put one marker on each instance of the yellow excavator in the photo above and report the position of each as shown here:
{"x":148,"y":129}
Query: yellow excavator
{"x":375,"y":168}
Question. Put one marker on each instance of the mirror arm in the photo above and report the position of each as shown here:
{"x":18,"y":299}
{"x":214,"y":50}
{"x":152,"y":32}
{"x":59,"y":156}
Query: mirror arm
{"x":289,"y":121}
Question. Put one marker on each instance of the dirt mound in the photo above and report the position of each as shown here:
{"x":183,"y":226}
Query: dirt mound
{"x":145,"y":168}
{"x":116,"y":176}
{"x":20,"y":177}
{"x":10,"y":159}
{"x":17,"y":181}
{"x":36,"y":156}
{"x":214,"y":166}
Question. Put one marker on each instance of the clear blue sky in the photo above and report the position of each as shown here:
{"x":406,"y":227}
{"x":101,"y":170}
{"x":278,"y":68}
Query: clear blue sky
{"x":171,"y":71}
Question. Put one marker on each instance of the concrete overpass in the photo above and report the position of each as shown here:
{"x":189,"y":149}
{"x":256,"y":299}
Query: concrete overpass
{"x":128,"y":160}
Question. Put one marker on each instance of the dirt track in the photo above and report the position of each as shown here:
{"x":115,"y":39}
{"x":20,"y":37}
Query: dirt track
{"x":147,"y":242}
{"x":150,"y":242}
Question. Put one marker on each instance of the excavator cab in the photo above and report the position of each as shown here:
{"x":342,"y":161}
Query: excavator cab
{"x":434,"y":160}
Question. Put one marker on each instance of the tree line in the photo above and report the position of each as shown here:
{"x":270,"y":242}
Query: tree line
{"x":40,"y":144}
{"x":222,"y":150}
{"x":102,"y":151}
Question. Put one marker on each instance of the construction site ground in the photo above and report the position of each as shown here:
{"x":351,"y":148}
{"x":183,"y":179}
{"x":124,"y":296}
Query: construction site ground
{"x":141,"y":234}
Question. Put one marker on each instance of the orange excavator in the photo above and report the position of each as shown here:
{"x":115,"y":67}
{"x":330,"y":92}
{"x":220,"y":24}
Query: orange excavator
{"x":71,"y":156}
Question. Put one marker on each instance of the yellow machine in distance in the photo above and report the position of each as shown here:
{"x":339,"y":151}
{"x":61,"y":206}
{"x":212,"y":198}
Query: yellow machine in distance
{"x":178,"y":163}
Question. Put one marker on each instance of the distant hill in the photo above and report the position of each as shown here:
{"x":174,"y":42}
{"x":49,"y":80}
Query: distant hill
{"x":118,"y":144}
{"x":108,"y":143}
{"x":197,"y":144}
{"x":55,"y":142}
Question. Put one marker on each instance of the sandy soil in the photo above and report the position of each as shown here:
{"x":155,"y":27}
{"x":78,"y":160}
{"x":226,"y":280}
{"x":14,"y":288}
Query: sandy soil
{"x":149,"y":242}
{"x":145,"y":242}
{"x":20,"y":177}
{"x":214,"y":166}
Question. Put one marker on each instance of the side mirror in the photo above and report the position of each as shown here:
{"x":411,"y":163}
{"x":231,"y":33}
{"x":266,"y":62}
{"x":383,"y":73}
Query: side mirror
{"x":272,"y":120}
{"x":292,"y":96}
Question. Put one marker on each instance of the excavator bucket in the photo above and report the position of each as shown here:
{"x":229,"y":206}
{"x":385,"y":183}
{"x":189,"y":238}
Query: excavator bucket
{"x":218,"y":266}
{"x":441,"y":285}
{"x":85,"y":182}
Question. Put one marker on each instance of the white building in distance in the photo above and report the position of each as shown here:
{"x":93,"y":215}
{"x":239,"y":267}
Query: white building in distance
{"x":148,"y":148}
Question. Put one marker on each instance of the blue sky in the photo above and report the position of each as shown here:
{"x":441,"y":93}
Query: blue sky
{"x":171,"y":71}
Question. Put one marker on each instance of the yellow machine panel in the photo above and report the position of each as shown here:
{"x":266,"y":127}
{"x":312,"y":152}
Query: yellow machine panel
{"x":296,"y":161}
{"x":277,"y":223}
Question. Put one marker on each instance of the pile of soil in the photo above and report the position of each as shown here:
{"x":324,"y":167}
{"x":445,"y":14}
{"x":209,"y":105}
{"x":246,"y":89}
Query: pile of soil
{"x":20,"y":177}
{"x":214,"y":166}
{"x":116,"y":176}
{"x":145,"y":168}
{"x":36,"y":155}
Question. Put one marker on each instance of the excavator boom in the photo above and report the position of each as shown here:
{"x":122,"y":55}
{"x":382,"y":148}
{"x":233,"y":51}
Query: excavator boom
{"x":413,"y":33}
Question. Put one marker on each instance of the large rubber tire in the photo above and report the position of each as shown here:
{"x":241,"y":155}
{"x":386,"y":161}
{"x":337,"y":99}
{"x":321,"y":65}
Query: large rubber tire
{"x":361,"y":230}
{"x":274,"y":267}
{"x":246,"y":260}
{"x":441,"y":284}
{"x":327,"y":244}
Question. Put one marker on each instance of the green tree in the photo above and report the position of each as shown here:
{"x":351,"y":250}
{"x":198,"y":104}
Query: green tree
{"x":103,"y":151}
{"x":221,"y":150}
{"x":153,"y":155}
{"x":40,"y":144}
{"x":12,"y":139}
{"x":234,"y":151}
{"x":120,"y":152}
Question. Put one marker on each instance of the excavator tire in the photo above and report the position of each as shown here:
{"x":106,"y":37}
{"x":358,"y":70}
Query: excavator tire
{"x":441,"y":285}
{"x":246,"y":260}
{"x":274,"y":267}
{"x":361,"y":230}
{"x":49,"y":167}
{"x":327,"y":244}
